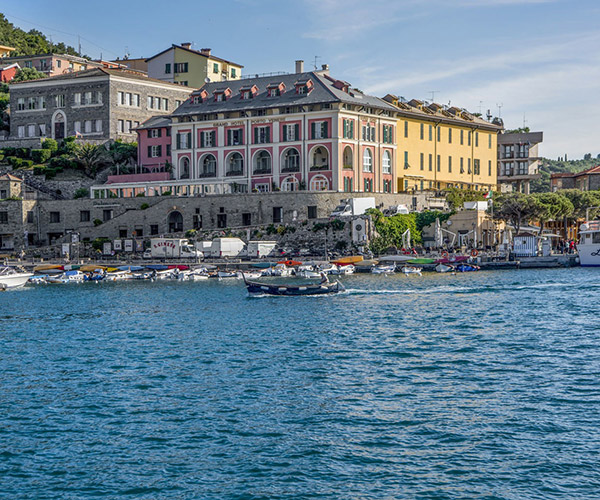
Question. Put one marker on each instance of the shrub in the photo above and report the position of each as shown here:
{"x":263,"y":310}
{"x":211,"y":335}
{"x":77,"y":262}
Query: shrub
{"x":13,"y":161}
{"x":62,"y":161}
{"x":50,"y":144}
{"x":190,"y":233}
{"x":41,"y":155}
{"x":144,"y":206}
{"x":81,"y":193}
{"x":50,"y":172}
{"x":140,"y":195}
{"x":39,"y":170}
{"x":26,"y":163}
{"x":97,"y":222}
{"x":22,"y":152}
{"x":1,"y":157}
{"x":166,"y":193}
{"x":9,"y":151}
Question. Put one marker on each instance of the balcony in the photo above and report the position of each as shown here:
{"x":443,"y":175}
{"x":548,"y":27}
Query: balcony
{"x":204,"y":175}
{"x":315,"y":168}
{"x":290,"y":169}
{"x":234,"y":173}
{"x":261,"y":171}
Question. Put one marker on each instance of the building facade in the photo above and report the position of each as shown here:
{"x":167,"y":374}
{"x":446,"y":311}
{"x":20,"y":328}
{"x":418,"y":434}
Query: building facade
{"x":193,"y":68}
{"x":95,"y":105}
{"x":52,"y":64}
{"x":587,"y":180}
{"x":518,"y":160}
{"x":302,"y":131}
{"x":441,"y":147}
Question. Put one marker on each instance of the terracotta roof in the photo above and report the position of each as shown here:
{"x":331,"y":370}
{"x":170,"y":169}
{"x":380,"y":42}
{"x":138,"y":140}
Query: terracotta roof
{"x":197,"y":52}
{"x":120,"y":72}
{"x":592,"y":170}
{"x":9,"y":177}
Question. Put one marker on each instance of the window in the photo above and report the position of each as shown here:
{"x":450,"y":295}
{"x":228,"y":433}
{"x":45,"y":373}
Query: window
{"x":477,"y":166}
{"x":165,"y":105}
{"x":235,"y":137}
{"x":128,"y":127}
{"x":291,"y":161}
{"x":430,"y":132}
{"x":127,"y":99}
{"x":150,"y":102}
{"x":450,"y":164}
{"x":154,"y":151}
{"x":21,"y":131}
{"x":368,"y":185}
{"x":388,"y":134}
{"x":277,"y":214}
{"x":3,"y":217}
{"x":312,"y":211}
{"x":422,"y":161}
{"x":77,"y":127}
{"x":42,"y":129}
{"x":20,"y":103}
{"x":77,"y":98}
{"x":84,"y":216}
{"x":54,"y":217}
{"x":208,"y":139}
{"x":121,"y":126}
{"x":31,"y":130}
{"x":348,"y":129}
{"x":406,"y":164}
{"x":235,"y":165}
{"x":489,"y":141}
{"x":233,"y":73}
{"x":468,"y":165}
{"x":98,"y":125}
{"x":262,"y":163}
{"x":107,"y":214}
{"x":58,"y":63}
{"x":462,"y":166}
{"x":368,"y":133}
{"x":87,"y":126}
{"x":262,"y":135}
{"x":184,"y":140}
{"x":30,"y":215}
{"x":386,"y":163}
{"x":246,"y":219}
{"x":291,"y":132}
{"x":215,"y":67}
{"x":439,"y":163}
{"x":449,"y":136}
{"x":405,"y":129}
{"x":318,"y":130}
{"x":439,"y":133}
{"x":367,"y":161}
{"x":476,"y":139}
{"x":153,"y":229}
{"x":490,"y":166}
{"x":59,"y":101}
{"x":87,"y":98}
{"x":273,"y":92}
{"x":168,"y":68}
{"x":209,"y":166}
{"x":469,"y":138}
{"x":177,"y":103}
{"x":153,"y":133}
{"x":422,"y":129}
{"x":181,"y":67}
{"x":462,"y":137}
{"x":139,"y":231}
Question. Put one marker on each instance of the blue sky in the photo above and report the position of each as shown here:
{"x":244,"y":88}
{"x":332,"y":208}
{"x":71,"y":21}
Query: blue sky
{"x":532,"y":60}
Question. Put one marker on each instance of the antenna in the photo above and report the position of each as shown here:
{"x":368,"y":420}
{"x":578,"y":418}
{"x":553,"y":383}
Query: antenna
{"x":500,"y":109}
{"x":79,"y":45}
{"x":489,"y":115}
{"x":480,"y":106}
{"x":433,"y":92}
{"x":524,"y":120}
{"x":316,"y":60}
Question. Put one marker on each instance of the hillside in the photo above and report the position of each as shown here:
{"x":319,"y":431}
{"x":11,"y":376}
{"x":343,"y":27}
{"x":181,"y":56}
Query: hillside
{"x":29,"y":42}
{"x":548,"y":167}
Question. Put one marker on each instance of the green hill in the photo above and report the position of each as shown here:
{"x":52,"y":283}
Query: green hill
{"x":29,"y":42}
{"x":548,"y":167}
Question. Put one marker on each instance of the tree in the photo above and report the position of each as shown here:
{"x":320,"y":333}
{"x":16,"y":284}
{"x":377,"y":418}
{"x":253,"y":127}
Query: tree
{"x":581,"y":201}
{"x":552,"y":206}
{"x":518,"y":209}
{"x":457,"y":197}
{"x":25,"y":74}
{"x":90,"y":157}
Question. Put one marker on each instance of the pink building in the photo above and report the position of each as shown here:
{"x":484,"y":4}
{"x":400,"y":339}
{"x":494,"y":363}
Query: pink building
{"x":154,"y":144}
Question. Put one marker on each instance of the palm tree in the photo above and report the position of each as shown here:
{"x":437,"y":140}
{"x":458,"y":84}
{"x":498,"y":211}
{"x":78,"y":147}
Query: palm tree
{"x":90,"y":157}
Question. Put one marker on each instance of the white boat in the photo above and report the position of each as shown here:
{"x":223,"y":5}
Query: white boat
{"x":280,"y":270}
{"x":341,"y":270}
{"x":228,"y":274}
{"x":307,"y":271}
{"x":589,"y":244}
{"x":10,"y":278}
{"x":118,"y":276}
{"x":38,"y":279}
{"x":66,"y":277}
{"x":443,"y":268}
{"x":328,"y":268}
{"x":384,"y":269}
{"x":193,"y":275}
{"x":412,"y":270}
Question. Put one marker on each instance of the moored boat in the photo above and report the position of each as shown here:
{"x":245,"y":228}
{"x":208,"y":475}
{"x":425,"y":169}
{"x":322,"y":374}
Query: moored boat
{"x":412,"y":270}
{"x":10,"y":278}
{"x":443,"y":268}
{"x":589,"y":244}
{"x":467,"y":268}
{"x":384,"y":269}
{"x":323,"y":287}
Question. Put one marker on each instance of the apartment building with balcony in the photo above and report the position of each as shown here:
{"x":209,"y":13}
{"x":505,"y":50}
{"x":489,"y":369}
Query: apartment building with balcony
{"x":94,"y":105}
{"x":52,"y":64}
{"x":192,"y":68}
{"x":518,"y":160}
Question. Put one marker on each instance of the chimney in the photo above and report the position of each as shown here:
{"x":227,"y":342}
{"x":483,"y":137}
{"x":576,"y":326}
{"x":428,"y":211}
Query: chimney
{"x":299,"y":66}
{"x":187,"y":45}
{"x":325,"y":68}
{"x":205,"y":52}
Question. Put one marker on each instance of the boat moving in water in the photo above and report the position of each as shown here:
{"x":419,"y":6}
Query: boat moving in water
{"x":324,"y":287}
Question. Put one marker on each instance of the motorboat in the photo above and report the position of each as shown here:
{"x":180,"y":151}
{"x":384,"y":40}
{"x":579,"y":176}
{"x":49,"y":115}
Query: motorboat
{"x":443,"y":268}
{"x":344,"y":270}
{"x":224,"y":274}
{"x":118,"y":275}
{"x":11,"y":278}
{"x":589,"y":244}
{"x":307,"y":271}
{"x":281,"y":269}
{"x":66,"y":278}
{"x":412,"y":270}
{"x":328,"y":268}
{"x":323,"y":287}
{"x":95,"y":275}
{"x":384,"y":269}
{"x":466,"y":268}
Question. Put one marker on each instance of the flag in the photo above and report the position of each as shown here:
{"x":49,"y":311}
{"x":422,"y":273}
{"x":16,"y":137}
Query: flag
{"x":488,"y":195}
{"x":78,"y":134}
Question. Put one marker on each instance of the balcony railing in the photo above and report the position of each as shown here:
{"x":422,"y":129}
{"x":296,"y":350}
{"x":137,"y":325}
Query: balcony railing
{"x":261,"y":171}
{"x":319,"y":167}
{"x":207,"y":174}
{"x":288,"y":169}
{"x":234,"y":173}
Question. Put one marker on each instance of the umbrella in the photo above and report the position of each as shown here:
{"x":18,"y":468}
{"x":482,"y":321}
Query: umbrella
{"x":439,"y":239}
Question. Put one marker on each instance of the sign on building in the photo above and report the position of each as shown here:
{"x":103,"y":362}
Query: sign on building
{"x":129,"y":245}
{"x":117,"y":245}
{"x":106,"y":248}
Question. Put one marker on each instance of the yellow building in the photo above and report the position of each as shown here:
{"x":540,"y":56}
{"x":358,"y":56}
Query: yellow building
{"x":193,"y":68}
{"x":443,"y":147}
{"x":5,"y":51}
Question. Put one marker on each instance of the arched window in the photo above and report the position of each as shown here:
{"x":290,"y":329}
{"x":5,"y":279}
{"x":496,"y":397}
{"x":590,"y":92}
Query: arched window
{"x":348,"y":158}
{"x":367,"y":161}
{"x":262,"y":163}
{"x":209,"y":166}
{"x":184,"y":168}
{"x":235,"y":165}
{"x":320,"y":159}
{"x":386,"y":163}
{"x":291,"y":161}
{"x":319,"y":183}
{"x":290,"y":184}
{"x":175,"y":222}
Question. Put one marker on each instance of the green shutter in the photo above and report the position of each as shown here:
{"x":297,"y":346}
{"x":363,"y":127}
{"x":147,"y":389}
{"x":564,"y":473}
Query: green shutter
{"x":312,"y":130}
{"x":324,"y":130}
{"x":352,"y":129}
{"x":201,"y":139}
{"x":296,"y":132}
{"x":385,"y":134}
{"x":229,"y":137}
{"x":160,"y":132}
{"x":255,"y":135}
{"x":189,"y":140}
{"x":149,"y":151}
{"x":178,"y":141}
{"x":214,"y":138}
{"x":159,"y":150}
{"x":268,"y":134}
{"x":284,"y":133}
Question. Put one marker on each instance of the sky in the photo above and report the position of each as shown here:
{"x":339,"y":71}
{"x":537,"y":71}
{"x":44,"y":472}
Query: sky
{"x":532,"y":62}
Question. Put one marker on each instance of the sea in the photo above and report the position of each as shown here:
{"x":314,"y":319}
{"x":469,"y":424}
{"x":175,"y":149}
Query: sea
{"x":472,"y":386}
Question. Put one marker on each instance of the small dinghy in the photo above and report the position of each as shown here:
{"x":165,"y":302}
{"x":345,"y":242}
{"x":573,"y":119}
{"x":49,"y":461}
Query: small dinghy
{"x":467,"y":268}
{"x":443,"y":268}
{"x":412,"y":270}
{"x":384,"y":269}
{"x":324,"y":287}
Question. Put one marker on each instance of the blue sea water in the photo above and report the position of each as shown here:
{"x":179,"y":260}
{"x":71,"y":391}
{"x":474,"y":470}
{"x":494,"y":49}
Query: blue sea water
{"x":476,"y":386}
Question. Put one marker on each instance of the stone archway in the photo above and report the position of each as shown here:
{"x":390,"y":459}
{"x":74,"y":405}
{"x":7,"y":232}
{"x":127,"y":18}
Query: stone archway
{"x":59,"y":125}
{"x":175,"y":222}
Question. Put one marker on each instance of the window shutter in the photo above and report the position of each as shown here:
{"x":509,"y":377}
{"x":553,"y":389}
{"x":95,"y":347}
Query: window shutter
{"x":312,"y":130}
{"x":189,"y":140}
{"x":268,"y":134}
{"x":284,"y":132}
{"x":159,"y":151}
{"x":324,"y":126}
{"x":149,"y":151}
{"x":159,"y":132}
{"x":296,"y":132}
{"x":178,"y":141}
{"x":352,"y":129}
{"x":385,"y":133}
{"x":256,"y":135}
{"x":202,"y":139}
{"x":214,"y":138}
{"x":229,"y":141}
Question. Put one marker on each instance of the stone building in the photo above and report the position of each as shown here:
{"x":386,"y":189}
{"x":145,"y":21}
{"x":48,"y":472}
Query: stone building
{"x":94,"y":105}
{"x":587,"y":180}
{"x":52,"y":64}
